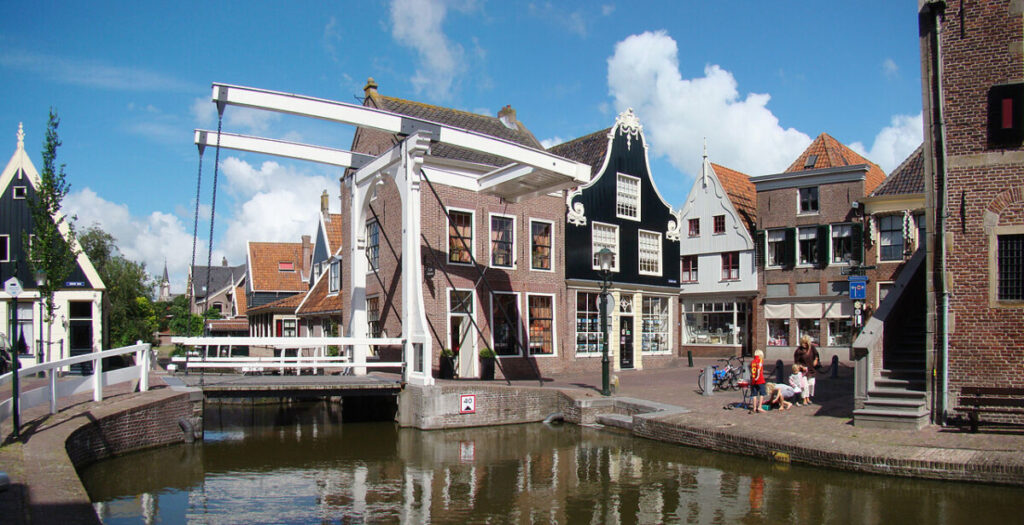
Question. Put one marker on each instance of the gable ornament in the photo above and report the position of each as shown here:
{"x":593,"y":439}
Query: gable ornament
{"x":575,"y":215}
{"x":628,"y":123}
{"x":675,"y":227}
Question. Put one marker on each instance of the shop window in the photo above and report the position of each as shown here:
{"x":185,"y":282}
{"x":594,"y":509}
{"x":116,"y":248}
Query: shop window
{"x":605,"y":236}
{"x":505,"y":321}
{"x":694,"y":227}
{"x":809,"y":200}
{"x":714,"y":323}
{"x":649,"y":245}
{"x":811,"y":327}
{"x":840,"y":332}
{"x":655,"y":325}
{"x":460,"y":237}
{"x":719,"y":224}
{"x":731,"y":266}
{"x":778,"y":332}
{"x":1010,"y":264}
{"x":540,"y":245}
{"x":373,"y":244}
{"x":689,"y":265}
{"x":890,"y":237}
{"x":627,"y":202}
{"x":588,"y":324}
{"x":502,"y":241}
{"x":541,"y":312}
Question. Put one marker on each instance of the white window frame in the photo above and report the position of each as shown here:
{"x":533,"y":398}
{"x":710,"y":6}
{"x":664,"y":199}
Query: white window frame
{"x":6,"y":239}
{"x":576,"y":331}
{"x":472,"y":236}
{"x":377,"y":298}
{"x":334,"y":277}
{"x":619,"y":177}
{"x":14,"y":192}
{"x":800,"y":249}
{"x":832,"y":245}
{"x":554,"y":325}
{"x":490,"y":241}
{"x":668,"y":316}
{"x":594,"y":249}
{"x":882,"y":242}
{"x":374,"y":263}
{"x":551,"y":246}
{"x":817,"y":199}
{"x":519,"y":325}
{"x":639,"y":258}
{"x":768,"y":247}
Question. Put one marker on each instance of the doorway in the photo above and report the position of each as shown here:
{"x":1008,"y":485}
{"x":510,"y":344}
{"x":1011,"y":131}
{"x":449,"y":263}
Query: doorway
{"x":80,"y":334}
{"x":625,"y":341}
{"x":460,"y":325}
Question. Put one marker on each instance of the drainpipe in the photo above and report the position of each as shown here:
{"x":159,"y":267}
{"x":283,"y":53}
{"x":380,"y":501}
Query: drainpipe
{"x":931,"y":18}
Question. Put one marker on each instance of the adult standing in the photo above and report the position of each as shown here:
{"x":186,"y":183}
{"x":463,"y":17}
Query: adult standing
{"x":806,"y":355}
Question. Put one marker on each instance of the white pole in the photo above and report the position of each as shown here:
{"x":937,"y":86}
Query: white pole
{"x":53,"y":390}
{"x":97,"y":380}
{"x":144,"y":365}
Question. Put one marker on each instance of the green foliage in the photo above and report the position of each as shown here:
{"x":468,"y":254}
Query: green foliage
{"x":130,"y":314}
{"x":179,"y":317}
{"x":49,"y":250}
{"x":487,"y":353}
{"x":447,"y":352}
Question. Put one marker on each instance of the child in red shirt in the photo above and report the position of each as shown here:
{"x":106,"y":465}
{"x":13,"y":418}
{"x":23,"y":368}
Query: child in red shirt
{"x":757,"y":388}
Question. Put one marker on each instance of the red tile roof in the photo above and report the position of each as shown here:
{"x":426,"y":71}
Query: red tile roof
{"x":333,"y":231}
{"x":318,"y":302}
{"x":741,"y":192}
{"x":267,"y":274}
{"x":830,"y":153}
{"x":240,"y":300}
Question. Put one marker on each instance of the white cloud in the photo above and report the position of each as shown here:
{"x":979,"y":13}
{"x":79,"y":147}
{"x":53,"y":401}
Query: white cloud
{"x":678,"y":113}
{"x":573,"y":21}
{"x":246,"y":120}
{"x":895,"y":142}
{"x":92,"y":73}
{"x":332,"y":38}
{"x":553,"y":141}
{"x":417,"y":24}
{"x":890,"y":69}
{"x":607,"y":9}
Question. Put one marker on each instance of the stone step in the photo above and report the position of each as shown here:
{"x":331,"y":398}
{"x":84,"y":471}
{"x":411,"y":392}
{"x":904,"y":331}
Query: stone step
{"x":890,"y":419}
{"x":906,"y":374}
{"x":900,"y":384}
{"x":882,"y":392}
{"x":900,"y":404}
{"x":616,"y":420}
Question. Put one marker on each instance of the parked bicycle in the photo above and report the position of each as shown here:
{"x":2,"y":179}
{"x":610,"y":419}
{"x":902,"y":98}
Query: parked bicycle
{"x":723,"y":377}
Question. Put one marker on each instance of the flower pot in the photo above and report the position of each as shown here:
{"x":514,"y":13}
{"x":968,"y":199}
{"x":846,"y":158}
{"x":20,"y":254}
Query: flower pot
{"x":447,"y":368}
{"x":487,"y":368}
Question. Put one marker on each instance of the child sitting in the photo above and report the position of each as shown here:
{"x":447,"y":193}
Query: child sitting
{"x":798,"y":381}
{"x":776,"y":397}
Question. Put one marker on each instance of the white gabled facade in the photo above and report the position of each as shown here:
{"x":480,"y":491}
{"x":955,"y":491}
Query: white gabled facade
{"x":718,"y":277}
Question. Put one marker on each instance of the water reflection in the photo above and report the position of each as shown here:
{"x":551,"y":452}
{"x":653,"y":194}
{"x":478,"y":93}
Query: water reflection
{"x":296,"y":464}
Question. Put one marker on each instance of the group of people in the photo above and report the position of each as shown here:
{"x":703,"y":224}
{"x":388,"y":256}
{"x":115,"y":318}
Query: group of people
{"x":799,"y":387}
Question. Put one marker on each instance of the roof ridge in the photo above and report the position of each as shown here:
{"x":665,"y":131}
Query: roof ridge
{"x":582,"y":138}
{"x":433,"y":106}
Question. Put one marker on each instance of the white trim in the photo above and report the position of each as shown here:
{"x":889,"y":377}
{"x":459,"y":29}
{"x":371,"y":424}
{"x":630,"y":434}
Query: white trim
{"x":14,"y":192}
{"x":366,"y":233}
{"x":767,"y":248}
{"x":575,"y":331}
{"x":668,"y":316}
{"x":799,"y":249}
{"x":639,"y":193}
{"x":490,"y":241}
{"x":471,"y":337}
{"x":6,"y":240}
{"x":661,"y":253}
{"x":593,"y":252}
{"x":551,"y":246}
{"x":554,"y":325}
{"x":831,"y":246}
{"x":817,"y":209}
{"x":521,"y":337}
{"x":448,"y":236}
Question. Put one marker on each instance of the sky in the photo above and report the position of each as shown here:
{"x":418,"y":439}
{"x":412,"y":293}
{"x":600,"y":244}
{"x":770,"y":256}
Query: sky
{"x":131,"y":81}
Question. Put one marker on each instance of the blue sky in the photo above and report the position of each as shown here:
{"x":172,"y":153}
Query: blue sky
{"x":131,"y":81}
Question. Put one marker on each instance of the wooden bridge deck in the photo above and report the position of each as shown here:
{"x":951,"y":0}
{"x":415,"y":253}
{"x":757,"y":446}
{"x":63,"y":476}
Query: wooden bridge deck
{"x":238,"y":385}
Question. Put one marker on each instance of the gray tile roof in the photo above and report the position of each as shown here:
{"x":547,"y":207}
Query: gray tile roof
{"x":907,"y":178}
{"x":588,"y":149}
{"x":220,"y":277}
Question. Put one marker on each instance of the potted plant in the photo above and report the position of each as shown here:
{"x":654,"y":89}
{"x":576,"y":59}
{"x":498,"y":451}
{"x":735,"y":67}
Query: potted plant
{"x":447,"y":368}
{"x":487,"y":358}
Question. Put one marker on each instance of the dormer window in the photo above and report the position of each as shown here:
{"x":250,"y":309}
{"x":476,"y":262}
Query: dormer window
{"x":19,"y":192}
{"x":810,"y":162}
{"x":627,"y":201}
{"x":286,"y":266}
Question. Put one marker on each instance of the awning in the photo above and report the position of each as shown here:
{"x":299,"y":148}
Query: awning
{"x":778,"y":311}
{"x":839,"y":310}
{"x":807,"y":310}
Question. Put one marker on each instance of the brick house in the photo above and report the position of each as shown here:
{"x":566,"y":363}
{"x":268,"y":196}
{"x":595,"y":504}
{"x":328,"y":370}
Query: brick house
{"x":810,"y":233}
{"x":320,"y":311}
{"x":973,"y":96}
{"x":718,"y":277}
{"x":276,"y":282}
{"x":620,"y":209}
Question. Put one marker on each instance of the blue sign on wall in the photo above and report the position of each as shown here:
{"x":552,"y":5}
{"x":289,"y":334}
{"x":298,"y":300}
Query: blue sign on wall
{"x":858,"y":287}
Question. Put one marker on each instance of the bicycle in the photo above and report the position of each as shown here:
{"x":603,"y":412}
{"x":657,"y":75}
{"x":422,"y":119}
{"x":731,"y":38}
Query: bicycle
{"x":726,"y":378}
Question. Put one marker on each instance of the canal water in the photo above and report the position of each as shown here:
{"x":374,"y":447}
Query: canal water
{"x":297,"y":463}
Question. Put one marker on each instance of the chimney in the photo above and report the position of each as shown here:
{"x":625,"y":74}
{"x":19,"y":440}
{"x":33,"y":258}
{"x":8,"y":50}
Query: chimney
{"x":370,"y":89}
{"x":307,"y":254}
{"x":325,"y":206}
{"x":224,"y":261}
{"x":507,"y":116}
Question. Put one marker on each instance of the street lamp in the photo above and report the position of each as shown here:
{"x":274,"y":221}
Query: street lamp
{"x":605,"y":259}
{"x":40,"y":282}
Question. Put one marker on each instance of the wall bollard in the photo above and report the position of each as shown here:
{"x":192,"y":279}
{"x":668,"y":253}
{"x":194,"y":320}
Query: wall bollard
{"x":835,"y":367}
{"x":709,"y":383}
{"x":689,"y":358}
{"x":779,"y":371}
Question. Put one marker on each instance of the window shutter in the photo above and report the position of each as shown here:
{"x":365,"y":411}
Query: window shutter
{"x":857,"y":232}
{"x":790,"y":248}
{"x":759,"y":248}
{"x":824,"y":238}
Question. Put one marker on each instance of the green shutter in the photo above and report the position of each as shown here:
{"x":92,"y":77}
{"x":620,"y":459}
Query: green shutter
{"x":858,"y":242}
{"x":790,"y":248}
{"x":759,"y":248}
{"x":824,"y":239}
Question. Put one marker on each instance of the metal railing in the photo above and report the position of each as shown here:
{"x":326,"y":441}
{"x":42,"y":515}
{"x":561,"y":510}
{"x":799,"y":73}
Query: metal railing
{"x":71,"y":385}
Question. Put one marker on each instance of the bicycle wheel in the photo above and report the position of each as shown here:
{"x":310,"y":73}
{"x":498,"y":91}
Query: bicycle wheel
{"x":700,"y":382}
{"x":734,"y":379}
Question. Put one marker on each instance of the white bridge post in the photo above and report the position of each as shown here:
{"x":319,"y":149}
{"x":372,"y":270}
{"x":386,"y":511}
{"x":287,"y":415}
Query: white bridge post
{"x":97,"y":380}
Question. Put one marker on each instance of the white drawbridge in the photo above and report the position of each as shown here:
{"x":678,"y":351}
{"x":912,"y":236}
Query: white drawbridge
{"x":530,"y":172}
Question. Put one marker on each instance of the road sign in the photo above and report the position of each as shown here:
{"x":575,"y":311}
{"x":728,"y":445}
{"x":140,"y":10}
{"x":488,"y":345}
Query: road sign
{"x":13,"y":287}
{"x":858,"y":287}
{"x":467,"y":404}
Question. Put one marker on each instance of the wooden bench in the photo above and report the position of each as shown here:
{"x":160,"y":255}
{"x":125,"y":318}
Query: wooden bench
{"x":974,"y":400}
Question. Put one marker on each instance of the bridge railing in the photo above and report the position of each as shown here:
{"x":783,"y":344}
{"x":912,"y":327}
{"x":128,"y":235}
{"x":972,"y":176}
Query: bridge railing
{"x":71,"y":385}
{"x":348,"y":359}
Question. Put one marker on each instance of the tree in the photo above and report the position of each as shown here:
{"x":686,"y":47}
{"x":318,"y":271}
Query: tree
{"x":180,"y":317}
{"x":49,"y":249}
{"x":128,"y":306}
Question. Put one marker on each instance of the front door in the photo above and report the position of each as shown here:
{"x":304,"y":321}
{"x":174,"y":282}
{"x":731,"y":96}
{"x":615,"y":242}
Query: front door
{"x":626,"y":341}
{"x":80,"y":334}
{"x":463,"y":345}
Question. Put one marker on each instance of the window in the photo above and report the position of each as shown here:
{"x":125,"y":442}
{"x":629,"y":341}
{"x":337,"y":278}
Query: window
{"x":731,"y":266}
{"x":373,"y":328}
{"x":373,"y":244}
{"x":540,"y":245}
{"x":719,"y":224}
{"x":811,"y":327}
{"x":605,"y":236}
{"x":588,"y":324}
{"x":288,"y":328}
{"x":505,"y":320}
{"x":334,"y":278}
{"x":19,"y":192}
{"x":694,"y":227}
{"x":5,"y":249}
{"x":649,"y":245}
{"x":1010,"y":263}
{"x":808,"y":245}
{"x":842,"y":243}
{"x":776,"y":247}
{"x":715,"y":323}
{"x":922,"y":230}
{"x":502,"y":240}
{"x":654,"y":335}
{"x":890,"y":237}
{"x":285,"y":266}
{"x":689,"y":274}
{"x":627,"y":201}
{"x":460,"y":237}
{"x":840,"y":332}
{"x":542,"y":337}
{"x":809,"y":200}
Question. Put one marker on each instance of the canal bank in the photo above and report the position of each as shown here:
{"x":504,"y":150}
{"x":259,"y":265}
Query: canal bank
{"x":661,"y":405}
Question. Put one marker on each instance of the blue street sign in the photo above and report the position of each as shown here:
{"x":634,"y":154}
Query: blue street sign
{"x":858,"y":287}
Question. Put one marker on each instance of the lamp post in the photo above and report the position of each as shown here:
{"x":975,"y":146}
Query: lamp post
{"x":40,"y":282}
{"x":605,"y":258}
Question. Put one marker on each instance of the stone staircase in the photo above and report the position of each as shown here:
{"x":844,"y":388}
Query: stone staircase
{"x":898,"y":398}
